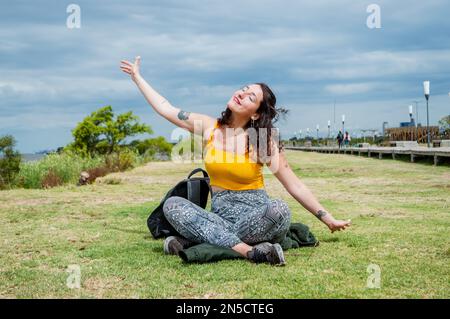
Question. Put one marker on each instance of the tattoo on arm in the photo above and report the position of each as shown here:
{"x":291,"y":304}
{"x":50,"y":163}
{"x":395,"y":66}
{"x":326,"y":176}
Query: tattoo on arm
{"x":320,"y":214}
{"x":183,"y":115}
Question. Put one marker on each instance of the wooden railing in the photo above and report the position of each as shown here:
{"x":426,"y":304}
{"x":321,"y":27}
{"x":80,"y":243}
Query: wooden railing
{"x":412,"y":133}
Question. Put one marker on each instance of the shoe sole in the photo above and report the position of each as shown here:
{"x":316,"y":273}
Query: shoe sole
{"x":280,"y":254}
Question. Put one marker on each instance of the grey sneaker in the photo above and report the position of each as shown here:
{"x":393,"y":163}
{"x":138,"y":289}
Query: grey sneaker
{"x":173,"y":245}
{"x":267,"y":253}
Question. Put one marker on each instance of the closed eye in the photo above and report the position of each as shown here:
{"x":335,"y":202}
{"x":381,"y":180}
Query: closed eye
{"x":252,"y":96}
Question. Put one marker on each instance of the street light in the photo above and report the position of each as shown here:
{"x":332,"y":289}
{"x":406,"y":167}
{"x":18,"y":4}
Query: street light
{"x":417,"y":120}
{"x":343,"y":121}
{"x":329,"y":124}
{"x":426,"y":91}
{"x":411,"y":120}
{"x":417,"y":112}
{"x":317,"y":129}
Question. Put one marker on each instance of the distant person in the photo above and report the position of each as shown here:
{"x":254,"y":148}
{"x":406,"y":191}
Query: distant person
{"x":347,"y":139}
{"x":339,"y":138}
{"x":243,"y":216}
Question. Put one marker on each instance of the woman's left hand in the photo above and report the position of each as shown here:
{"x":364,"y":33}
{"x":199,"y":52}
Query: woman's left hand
{"x":336,"y":225}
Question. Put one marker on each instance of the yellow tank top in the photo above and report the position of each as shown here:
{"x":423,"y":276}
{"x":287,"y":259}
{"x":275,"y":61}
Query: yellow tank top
{"x":231,"y":171}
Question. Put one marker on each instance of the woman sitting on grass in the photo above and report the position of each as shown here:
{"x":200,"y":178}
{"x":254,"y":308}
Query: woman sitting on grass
{"x":242,"y":213}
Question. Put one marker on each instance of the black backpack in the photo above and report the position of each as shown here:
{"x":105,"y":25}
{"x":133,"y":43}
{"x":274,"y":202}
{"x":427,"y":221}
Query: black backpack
{"x":194,"y":189}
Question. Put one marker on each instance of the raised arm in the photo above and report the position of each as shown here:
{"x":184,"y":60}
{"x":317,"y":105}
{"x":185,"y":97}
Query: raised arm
{"x":193,"y":122}
{"x":281,"y":169}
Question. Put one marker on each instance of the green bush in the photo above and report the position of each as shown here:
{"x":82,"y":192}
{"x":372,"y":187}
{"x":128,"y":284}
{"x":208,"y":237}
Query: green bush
{"x":123,"y":160}
{"x":66,"y":166}
{"x":59,"y":169}
{"x":127,"y":159}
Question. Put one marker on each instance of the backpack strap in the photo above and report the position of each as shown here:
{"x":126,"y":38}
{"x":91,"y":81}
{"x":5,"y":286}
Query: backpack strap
{"x":193,"y":191}
{"x":205,"y":174}
{"x":197,"y":186}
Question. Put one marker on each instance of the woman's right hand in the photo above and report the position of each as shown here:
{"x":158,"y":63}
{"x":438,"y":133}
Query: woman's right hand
{"x":334,"y":224}
{"x":131,"y":68}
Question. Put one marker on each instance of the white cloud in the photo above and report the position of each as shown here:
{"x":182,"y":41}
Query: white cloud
{"x":351,"y":88}
{"x":375,"y":65}
{"x":54,"y":89}
{"x":42,"y":120}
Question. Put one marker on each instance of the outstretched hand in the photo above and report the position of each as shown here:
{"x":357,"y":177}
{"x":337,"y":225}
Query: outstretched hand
{"x":335,"y":224}
{"x":131,"y":68}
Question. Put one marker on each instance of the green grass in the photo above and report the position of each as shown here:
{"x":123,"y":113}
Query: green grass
{"x":400,"y":213}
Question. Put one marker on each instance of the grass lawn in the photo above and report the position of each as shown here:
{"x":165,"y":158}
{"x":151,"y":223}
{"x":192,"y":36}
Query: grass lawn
{"x":401,"y":222}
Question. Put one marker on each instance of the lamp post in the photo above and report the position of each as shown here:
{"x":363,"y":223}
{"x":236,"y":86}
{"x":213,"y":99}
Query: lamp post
{"x":317,"y":129}
{"x":417,"y":112}
{"x":411,"y":120}
{"x":426,"y":91}
{"x":329,"y":124}
{"x":343,"y":121}
{"x":307,"y":132}
{"x":417,"y":121}
{"x":334,"y":115}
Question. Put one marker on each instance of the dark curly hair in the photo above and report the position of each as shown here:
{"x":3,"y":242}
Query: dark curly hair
{"x":268,"y":115}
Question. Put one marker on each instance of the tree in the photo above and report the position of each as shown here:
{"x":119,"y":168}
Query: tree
{"x":100,"y":133}
{"x":9,"y":160}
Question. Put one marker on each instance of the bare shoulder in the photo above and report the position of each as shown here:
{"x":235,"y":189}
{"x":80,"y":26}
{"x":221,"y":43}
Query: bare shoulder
{"x":209,"y":122}
{"x":208,"y":126}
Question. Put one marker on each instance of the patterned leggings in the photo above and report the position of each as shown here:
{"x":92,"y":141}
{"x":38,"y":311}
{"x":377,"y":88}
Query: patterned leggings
{"x":248,"y":216}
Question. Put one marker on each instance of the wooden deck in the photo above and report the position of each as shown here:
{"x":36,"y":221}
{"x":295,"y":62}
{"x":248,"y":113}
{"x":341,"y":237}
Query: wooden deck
{"x":413,"y":152}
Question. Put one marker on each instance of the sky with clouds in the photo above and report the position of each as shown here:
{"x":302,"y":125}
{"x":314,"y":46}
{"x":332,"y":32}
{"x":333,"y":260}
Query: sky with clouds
{"x":197,"y":53}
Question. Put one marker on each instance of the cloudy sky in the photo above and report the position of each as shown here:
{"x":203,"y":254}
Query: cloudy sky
{"x":196,"y":53}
